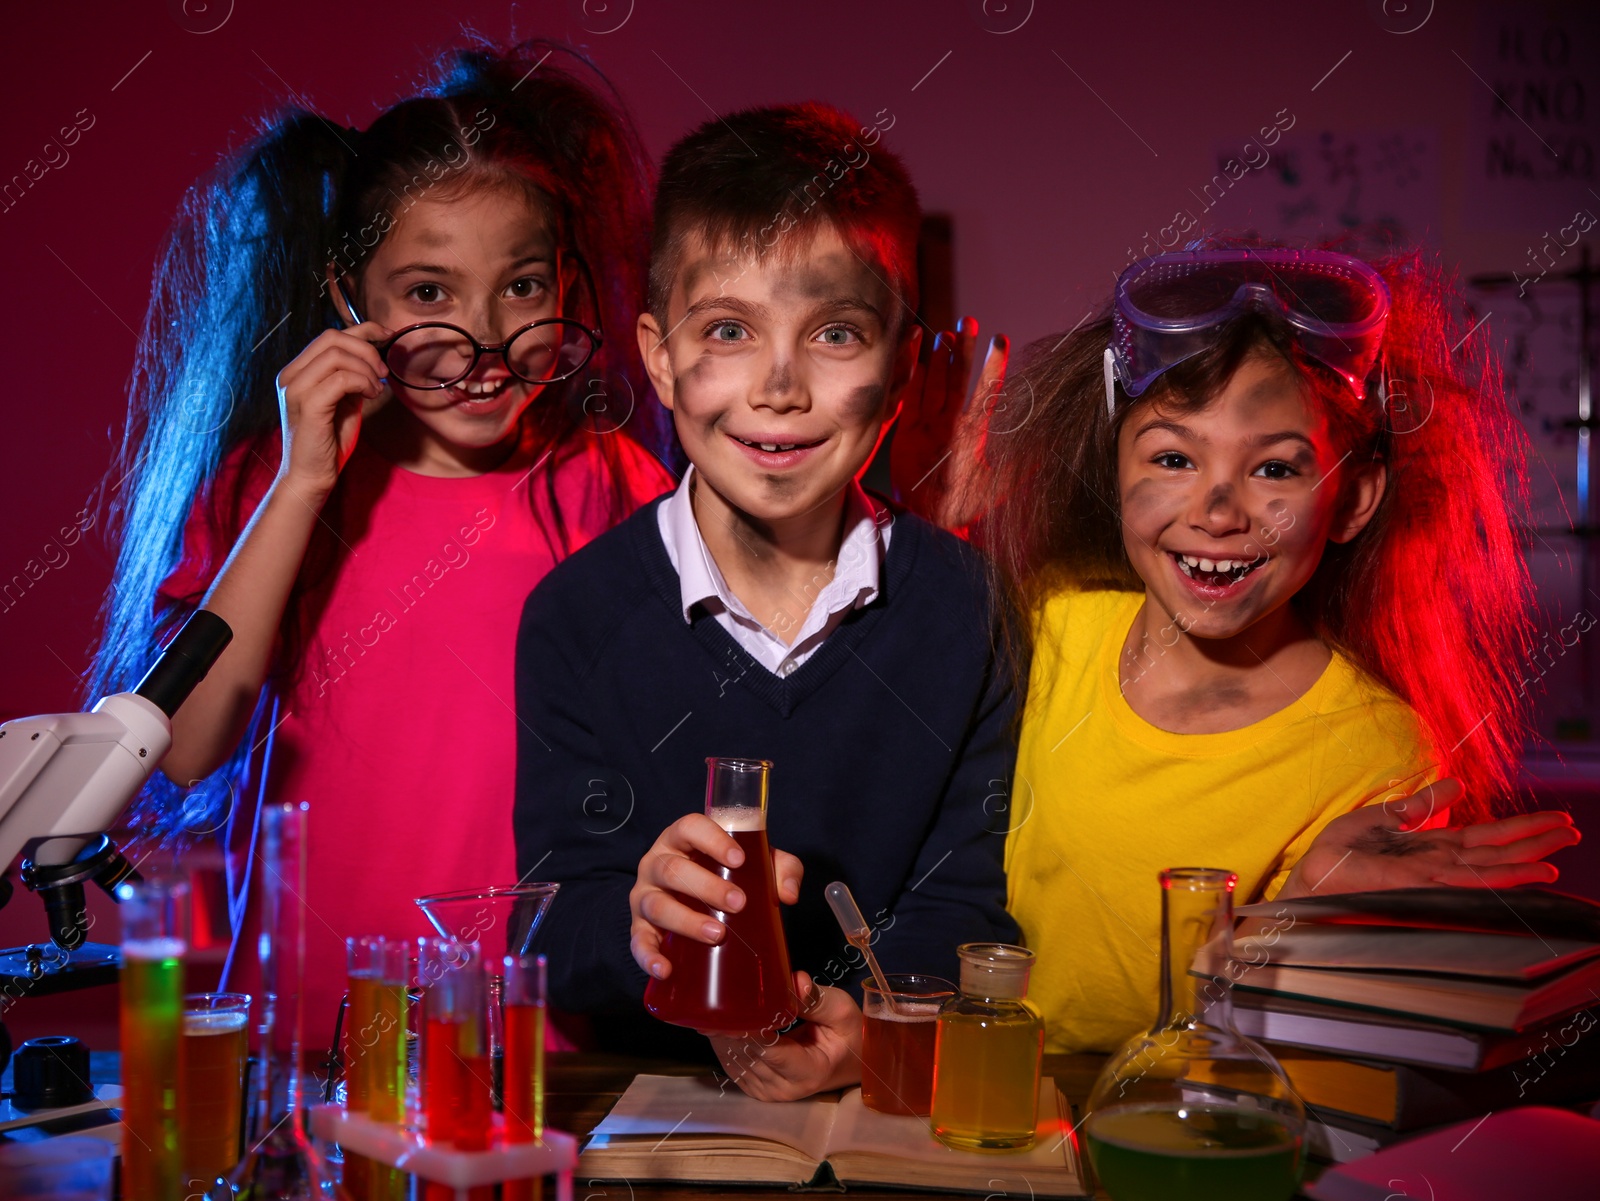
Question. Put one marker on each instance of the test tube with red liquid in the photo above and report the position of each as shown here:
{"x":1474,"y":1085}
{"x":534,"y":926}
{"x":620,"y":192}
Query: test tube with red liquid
{"x":457,"y":1101}
{"x":743,"y":984}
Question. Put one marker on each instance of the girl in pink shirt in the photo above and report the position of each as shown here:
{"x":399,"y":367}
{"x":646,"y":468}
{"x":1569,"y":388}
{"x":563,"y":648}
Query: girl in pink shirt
{"x":387,"y":382}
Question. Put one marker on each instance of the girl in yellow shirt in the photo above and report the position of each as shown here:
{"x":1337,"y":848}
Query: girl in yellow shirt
{"x":1260,"y":517}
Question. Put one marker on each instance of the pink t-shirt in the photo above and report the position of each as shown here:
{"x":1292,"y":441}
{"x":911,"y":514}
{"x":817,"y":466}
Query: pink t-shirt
{"x":400,"y":727}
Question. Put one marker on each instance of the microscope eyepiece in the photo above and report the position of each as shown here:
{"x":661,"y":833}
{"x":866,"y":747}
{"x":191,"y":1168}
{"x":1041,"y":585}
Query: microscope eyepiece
{"x":185,"y":661}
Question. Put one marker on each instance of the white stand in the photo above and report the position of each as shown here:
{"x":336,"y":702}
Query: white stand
{"x":405,"y":1149}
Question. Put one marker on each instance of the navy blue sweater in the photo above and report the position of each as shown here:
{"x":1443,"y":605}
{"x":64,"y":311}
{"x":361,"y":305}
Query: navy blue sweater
{"x":891,"y":751}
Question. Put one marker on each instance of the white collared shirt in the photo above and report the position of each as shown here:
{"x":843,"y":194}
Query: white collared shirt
{"x":855,"y":581}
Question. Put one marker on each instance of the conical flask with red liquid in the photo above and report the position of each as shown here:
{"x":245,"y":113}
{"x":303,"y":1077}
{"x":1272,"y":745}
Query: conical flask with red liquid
{"x":743,"y":984}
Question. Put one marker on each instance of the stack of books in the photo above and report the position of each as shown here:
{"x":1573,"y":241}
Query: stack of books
{"x":1396,"y":1012}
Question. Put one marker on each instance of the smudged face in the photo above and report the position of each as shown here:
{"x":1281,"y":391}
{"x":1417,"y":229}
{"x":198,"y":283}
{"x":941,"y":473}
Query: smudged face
{"x":1226,"y":510}
{"x":781,"y":373}
{"x":484,"y":260}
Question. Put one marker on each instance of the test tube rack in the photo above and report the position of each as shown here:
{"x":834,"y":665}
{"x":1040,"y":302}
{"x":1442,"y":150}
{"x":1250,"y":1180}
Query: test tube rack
{"x":406,"y":1149}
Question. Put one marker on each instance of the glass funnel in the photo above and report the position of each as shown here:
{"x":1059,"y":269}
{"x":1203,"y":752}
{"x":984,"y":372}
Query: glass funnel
{"x":503,"y":921}
{"x":1192,"y":1108}
{"x":491,"y":916}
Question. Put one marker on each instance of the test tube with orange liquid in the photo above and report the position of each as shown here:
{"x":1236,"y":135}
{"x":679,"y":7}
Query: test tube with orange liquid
{"x":524,"y":1072}
{"x":153,"y":945}
{"x":375,"y":1052}
{"x":743,"y":984}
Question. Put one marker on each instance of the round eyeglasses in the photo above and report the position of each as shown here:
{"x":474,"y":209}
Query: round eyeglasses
{"x":435,"y":355}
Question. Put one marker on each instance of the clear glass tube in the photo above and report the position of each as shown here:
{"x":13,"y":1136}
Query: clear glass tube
{"x":282,"y":1163}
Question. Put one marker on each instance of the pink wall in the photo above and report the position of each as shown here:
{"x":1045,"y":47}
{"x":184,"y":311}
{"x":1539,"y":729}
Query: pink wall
{"x":1055,"y":147}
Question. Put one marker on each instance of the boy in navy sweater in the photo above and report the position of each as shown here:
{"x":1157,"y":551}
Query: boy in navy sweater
{"x":769,"y":608}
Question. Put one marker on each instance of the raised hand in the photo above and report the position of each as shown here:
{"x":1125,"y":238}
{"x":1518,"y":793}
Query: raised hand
{"x":667,"y":869}
{"x":322,"y":397}
{"x":1407,"y":843}
{"x":924,"y":458}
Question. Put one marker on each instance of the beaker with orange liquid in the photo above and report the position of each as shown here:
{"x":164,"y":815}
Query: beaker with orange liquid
{"x":215,"y":1046}
{"x":743,"y":984}
{"x":898,"y":1031}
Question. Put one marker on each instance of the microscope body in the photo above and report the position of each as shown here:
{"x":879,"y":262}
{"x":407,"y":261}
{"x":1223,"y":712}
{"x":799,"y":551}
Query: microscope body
{"x":64,"y":779}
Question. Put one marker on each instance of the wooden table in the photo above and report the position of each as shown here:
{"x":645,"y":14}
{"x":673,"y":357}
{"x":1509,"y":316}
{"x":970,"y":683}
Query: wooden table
{"x":581,"y":1088}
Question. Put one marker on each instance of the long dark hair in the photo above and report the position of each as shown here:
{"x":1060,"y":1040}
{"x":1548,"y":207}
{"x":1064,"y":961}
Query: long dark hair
{"x":241,"y":287}
{"x":1432,"y":598}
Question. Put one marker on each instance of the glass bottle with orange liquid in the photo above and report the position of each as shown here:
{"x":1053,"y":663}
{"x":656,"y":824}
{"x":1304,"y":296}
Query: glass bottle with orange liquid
{"x":153,"y":945}
{"x":987,"y":1054}
{"x":743,"y":983}
{"x":524,"y":1061}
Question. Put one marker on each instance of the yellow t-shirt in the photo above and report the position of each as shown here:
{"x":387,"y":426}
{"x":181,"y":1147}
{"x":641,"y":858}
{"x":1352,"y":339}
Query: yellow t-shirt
{"x":1103,"y":801}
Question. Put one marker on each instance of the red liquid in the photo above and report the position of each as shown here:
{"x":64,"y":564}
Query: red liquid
{"x":455,"y":1088}
{"x":743,"y":985}
{"x":897,"y":1061}
{"x":456,"y":1100}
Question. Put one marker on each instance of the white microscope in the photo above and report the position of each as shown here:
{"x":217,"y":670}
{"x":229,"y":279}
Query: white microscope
{"x":64,"y":778}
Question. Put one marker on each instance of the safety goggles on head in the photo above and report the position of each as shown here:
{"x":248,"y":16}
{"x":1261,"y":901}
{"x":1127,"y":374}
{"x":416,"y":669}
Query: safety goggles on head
{"x":1170,"y":307}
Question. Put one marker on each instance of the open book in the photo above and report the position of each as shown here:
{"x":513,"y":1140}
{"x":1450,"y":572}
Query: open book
{"x":693,"y":1128}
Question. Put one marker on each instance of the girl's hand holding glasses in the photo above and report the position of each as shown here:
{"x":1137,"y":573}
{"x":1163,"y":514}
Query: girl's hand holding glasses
{"x":322,"y":397}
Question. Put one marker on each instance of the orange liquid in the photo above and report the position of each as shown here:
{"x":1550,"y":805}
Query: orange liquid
{"x":360,"y":1021}
{"x":213,"y":1092}
{"x":897,"y":1060}
{"x":524,"y":1084}
{"x":742,"y":985}
{"x":524,"y":1088}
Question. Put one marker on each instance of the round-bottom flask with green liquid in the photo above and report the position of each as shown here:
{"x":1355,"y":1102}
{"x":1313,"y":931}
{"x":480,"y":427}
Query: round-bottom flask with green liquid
{"x":987,"y":1053}
{"x":1192,"y":1108}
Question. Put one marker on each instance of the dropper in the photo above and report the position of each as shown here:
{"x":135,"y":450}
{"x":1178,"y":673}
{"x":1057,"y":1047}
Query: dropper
{"x":858,"y":934}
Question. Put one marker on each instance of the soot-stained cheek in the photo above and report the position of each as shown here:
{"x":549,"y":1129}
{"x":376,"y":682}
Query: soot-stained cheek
{"x":1142,"y":502}
{"x":863,"y":403}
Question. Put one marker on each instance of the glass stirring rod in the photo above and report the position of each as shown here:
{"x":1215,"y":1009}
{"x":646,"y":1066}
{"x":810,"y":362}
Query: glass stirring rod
{"x":857,"y":933}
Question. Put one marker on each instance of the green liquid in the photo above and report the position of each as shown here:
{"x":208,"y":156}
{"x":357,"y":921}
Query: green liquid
{"x":152,"y":1049}
{"x":1214,"y":1153}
